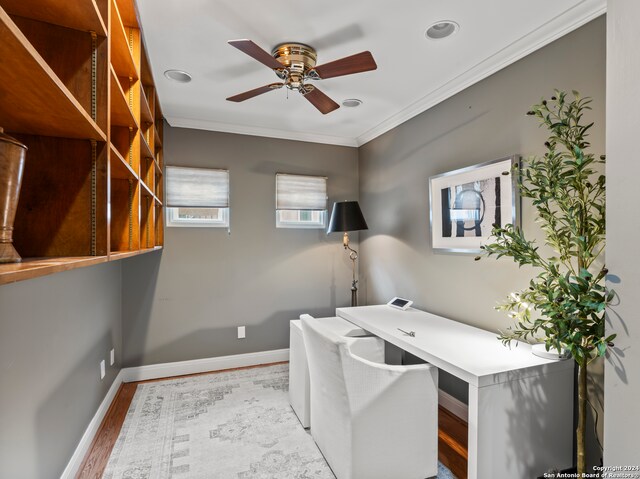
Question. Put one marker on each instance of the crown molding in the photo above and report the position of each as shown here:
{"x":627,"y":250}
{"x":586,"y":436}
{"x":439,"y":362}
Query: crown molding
{"x":259,"y":131}
{"x":557,"y":27}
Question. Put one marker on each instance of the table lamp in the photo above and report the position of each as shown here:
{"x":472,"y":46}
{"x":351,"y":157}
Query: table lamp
{"x":347,"y":216}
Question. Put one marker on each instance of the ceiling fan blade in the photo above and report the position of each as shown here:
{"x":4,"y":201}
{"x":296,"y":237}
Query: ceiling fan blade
{"x":255,"y":92}
{"x":254,"y":51}
{"x":360,"y":62}
{"x":321,"y":101}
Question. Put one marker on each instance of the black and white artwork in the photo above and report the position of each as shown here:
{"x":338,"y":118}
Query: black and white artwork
{"x":466,"y":203}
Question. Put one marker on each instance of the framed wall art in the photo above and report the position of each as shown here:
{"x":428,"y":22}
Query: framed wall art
{"x":464,"y":204}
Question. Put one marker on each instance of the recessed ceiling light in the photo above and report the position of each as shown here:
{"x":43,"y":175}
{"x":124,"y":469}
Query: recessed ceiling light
{"x":441,"y":29}
{"x":352,"y":102}
{"x":178,"y":76}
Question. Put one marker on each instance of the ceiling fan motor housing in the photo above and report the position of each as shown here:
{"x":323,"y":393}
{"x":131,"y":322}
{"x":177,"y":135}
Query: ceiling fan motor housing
{"x":298,"y":60}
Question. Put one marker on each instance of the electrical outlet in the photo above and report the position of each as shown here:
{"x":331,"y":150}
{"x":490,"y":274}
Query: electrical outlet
{"x":112,"y":357}
{"x":241,"y":332}
{"x":102,"y":369}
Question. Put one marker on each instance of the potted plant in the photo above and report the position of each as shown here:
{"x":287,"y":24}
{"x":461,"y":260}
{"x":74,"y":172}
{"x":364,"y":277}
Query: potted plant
{"x":565,"y":302}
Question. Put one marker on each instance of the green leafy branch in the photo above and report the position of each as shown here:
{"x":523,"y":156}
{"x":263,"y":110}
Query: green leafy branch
{"x":568,"y":194}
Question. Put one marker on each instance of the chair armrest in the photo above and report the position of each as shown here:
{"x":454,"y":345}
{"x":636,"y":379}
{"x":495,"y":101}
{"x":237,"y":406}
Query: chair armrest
{"x":368,"y":381}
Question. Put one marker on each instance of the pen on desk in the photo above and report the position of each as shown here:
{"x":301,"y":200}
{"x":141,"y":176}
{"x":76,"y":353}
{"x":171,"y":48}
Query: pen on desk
{"x":408,"y":333}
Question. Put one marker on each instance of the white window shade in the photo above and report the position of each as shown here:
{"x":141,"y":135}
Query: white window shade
{"x":197,"y":188}
{"x":295,"y":192}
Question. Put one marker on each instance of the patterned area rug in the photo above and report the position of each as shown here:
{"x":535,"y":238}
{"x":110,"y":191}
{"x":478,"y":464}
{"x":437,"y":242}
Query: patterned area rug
{"x":228,"y":425}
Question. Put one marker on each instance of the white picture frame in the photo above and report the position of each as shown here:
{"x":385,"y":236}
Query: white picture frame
{"x":464,"y":204}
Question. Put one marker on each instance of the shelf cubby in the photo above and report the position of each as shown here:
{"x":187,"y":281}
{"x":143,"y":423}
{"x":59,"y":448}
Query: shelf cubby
{"x":121,"y":113}
{"x":122,"y":45}
{"x":145,"y":190}
{"x":159,"y":160}
{"x":82,"y":15}
{"x":147,"y":220}
{"x":127,"y":12}
{"x":157,"y":140}
{"x":57,"y":212}
{"x":159,"y":225}
{"x":147,"y":172}
{"x":125,"y":220}
{"x":146,"y":150}
{"x":159,"y":181}
{"x":124,"y":140}
{"x":120,"y":169}
{"x":74,"y":69}
{"x":146,"y":116}
{"x":34,"y":99}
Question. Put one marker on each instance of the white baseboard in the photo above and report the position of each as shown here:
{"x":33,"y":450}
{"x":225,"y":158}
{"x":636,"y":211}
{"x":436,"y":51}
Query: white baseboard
{"x":157,"y":371}
{"x":73,"y":466}
{"x":180,"y":368}
{"x":453,"y":405}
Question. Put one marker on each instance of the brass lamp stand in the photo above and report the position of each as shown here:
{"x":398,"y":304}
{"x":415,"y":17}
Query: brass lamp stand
{"x":347,"y":216}
{"x":353,"y":256}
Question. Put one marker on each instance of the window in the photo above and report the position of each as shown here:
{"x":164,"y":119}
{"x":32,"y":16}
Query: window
{"x":301,"y":201}
{"x":197,"y":197}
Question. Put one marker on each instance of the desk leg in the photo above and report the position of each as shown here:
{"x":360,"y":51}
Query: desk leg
{"x":521,"y":428}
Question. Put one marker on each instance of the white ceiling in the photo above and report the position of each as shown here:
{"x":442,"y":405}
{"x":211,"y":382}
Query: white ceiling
{"x":413,"y":73}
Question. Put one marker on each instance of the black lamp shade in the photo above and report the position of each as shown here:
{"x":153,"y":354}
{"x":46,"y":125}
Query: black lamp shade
{"x":346,"y":216}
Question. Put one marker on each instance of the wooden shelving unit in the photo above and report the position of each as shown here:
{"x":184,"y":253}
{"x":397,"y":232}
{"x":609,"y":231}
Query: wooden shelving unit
{"x":77,"y":89}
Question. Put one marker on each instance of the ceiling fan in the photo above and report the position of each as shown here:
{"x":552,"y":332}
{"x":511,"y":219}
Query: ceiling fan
{"x":295,"y":63}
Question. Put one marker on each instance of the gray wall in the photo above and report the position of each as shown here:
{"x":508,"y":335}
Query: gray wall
{"x":186,"y":302}
{"x":622,"y":380}
{"x":485,"y":122}
{"x":54,"y":331}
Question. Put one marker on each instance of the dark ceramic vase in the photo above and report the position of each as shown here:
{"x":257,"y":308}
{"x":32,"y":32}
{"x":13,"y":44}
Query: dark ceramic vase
{"x":12,"y":158}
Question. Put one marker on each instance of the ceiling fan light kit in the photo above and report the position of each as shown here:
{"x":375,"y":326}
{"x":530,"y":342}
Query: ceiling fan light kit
{"x":295,"y":64}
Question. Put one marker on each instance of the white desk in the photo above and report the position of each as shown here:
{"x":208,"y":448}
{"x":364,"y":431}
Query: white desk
{"x":520,"y":405}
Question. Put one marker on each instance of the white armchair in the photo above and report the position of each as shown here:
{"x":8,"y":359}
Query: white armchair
{"x":369,"y":419}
